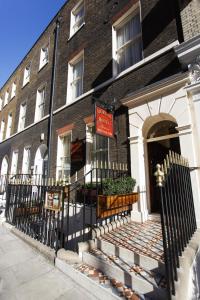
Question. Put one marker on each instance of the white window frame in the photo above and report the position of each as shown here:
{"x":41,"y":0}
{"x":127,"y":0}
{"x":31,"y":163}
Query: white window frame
{"x":14,"y":163}
{"x":9,"y":125}
{"x":27,"y":74}
{"x":76,"y":25}
{"x":40,"y":104}
{"x":22,"y":116}
{"x":44,"y":57}
{"x":2,"y":130}
{"x":72,"y":63}
{"x":6,"y":99}
{"x":59,"y":166}
{"x":26,"y":160}
{"x":90,"y":149}
{"x":133,"y":11}
{"x":13,"y":90}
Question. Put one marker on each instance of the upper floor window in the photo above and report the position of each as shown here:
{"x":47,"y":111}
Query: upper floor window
{"x":22,"y":117}
{"x":14,"y":162}
{"x":127,"y":41}
{"x":44,"y":57}
{"x":6,"y":97}
{"x":26,"y":161}
{"x":2,"y":130}
{"x":1,"y":104}
{"x":13,"y":91}
{"x":27,"y":72}
{"x":40,"y":104}
{"x":9,"y":126}
{"x":75,"y":77}
{"x":77,"y":17}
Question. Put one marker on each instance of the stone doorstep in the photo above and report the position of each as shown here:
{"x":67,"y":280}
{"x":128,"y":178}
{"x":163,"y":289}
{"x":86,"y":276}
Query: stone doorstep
{"x":133,"y":277}
{"x":101,"y":230}
{"x":129,"y":256}
{"x":93,"y":280}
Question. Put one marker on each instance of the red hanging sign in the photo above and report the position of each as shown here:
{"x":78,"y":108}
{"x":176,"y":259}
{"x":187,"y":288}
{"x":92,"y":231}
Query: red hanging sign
{"x":104,"y":122}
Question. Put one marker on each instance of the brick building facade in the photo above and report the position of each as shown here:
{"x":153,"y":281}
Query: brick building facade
{"x":114,"y":52}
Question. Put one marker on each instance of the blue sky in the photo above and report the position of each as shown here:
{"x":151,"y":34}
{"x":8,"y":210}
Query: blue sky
{"x":21,"y":23}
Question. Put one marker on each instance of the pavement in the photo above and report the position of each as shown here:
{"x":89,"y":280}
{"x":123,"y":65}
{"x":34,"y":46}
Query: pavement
{"x":27,"y":275}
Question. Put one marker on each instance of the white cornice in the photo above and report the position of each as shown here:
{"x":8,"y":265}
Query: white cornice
{"x":155,"y":90}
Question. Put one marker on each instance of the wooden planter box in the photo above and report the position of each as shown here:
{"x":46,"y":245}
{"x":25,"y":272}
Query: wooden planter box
{"x":114,"y":204}
{"x":26,"y":211}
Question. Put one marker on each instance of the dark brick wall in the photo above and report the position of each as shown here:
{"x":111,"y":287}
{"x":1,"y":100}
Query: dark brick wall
{"x":95,"y":37}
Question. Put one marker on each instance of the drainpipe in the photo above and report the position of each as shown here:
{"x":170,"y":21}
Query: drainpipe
{"x":52,"y":92}
{"x":177,"y":10}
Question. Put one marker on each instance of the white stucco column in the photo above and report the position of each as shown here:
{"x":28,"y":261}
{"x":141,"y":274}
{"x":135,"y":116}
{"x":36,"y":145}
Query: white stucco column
{"x":139,"y":212}
{"x":192,"y":149}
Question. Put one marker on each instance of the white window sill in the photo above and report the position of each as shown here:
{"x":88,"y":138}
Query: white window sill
{"x":12,"y":97}
{"x":73,"y":34}
{"x":117,"y":76}
{"x":27,"y":127}
{"x":25,"y":84}
{"x":42,"y":66}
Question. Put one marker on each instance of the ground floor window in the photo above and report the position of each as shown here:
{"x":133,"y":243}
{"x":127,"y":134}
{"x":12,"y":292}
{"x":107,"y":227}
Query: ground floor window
{"x":96,"y":148}
{"x":64,"y":157}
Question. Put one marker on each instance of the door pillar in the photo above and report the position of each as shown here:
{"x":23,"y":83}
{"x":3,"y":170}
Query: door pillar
{"x":139,"y":211}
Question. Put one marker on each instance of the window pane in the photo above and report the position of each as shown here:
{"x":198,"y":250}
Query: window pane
{"x":129,"y":45}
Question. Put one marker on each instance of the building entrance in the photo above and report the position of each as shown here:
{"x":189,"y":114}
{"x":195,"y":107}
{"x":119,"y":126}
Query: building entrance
{"x":161,"y":138}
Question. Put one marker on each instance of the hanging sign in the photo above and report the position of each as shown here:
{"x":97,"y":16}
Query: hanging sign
{"x":104,"y":122}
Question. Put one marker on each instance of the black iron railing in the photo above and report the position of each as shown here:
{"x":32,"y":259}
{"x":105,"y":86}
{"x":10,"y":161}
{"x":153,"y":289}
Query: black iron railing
{"x":177,"y":212}
{"x":27,"y":207}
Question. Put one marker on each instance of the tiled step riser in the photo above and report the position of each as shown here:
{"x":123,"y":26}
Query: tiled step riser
{"x":129,"y":256}
{"x":94,"y":288}
{"x":131,"y":281}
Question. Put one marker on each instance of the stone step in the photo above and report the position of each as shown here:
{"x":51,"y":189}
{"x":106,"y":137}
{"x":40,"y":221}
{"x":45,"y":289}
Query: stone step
{"x":129,"y":256}
{"x":154,"y":217}
{"x":144,"y":283}
{"x":96,"y":282}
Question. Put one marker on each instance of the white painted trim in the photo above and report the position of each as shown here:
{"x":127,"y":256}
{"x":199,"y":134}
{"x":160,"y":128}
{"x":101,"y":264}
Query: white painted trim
{"x":71,"y":36}
{"x":125,"y":72}
{"x":29,"y":126}
{"x":155,"y":90}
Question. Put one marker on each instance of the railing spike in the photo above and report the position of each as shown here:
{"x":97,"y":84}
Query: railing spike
{"x":167,"y":162}
{"x":164,"y":167}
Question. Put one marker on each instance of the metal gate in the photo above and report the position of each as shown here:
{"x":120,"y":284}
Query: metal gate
{"x":177,"y":212}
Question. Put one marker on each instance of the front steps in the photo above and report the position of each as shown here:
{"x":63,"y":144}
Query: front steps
{"x":133,"y":255}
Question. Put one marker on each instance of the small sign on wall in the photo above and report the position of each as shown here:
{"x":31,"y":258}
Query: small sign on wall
{"x":104,"y":122}
{"x":53,"y":200}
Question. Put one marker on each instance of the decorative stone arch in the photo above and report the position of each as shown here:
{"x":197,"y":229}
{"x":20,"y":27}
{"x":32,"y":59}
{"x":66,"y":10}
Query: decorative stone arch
{"x":173,"y":107}
{"x":40,"y":160}
{"x":4,"y":165}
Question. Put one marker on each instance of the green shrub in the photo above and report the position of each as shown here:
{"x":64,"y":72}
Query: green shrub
{"x":118,"y":186}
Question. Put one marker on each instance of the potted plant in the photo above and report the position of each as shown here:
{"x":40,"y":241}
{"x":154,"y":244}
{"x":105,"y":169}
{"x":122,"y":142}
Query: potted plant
{"x":117,"y":196}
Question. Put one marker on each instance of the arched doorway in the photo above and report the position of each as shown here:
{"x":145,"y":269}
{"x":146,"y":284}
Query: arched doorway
{"x":161,"y":138}
{"x":41,"y":161}
{"x":4,"y":166}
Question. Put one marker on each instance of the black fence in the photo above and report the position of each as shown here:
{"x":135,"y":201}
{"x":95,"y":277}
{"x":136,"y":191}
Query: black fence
{"x":62,"y":214}
{"x":26,"y":209}
{"x":177,"y":212}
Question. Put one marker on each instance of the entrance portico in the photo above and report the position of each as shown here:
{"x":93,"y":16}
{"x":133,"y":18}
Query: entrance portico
{"x":165,"y":104}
